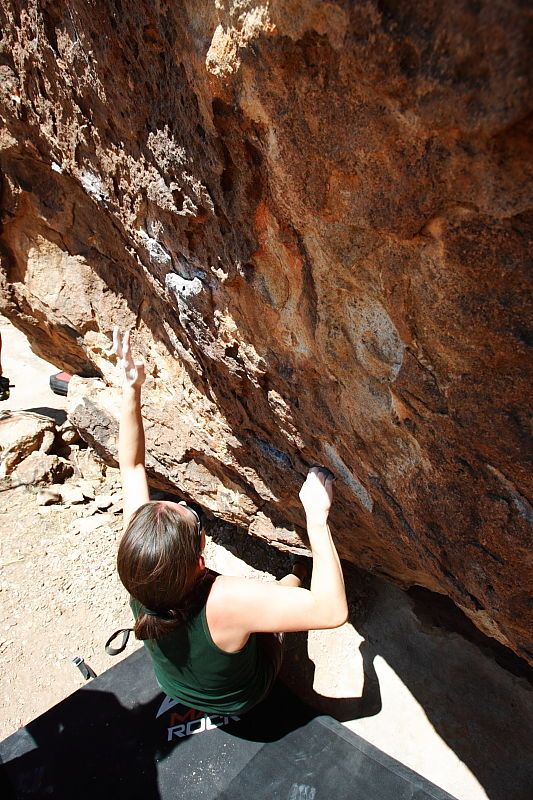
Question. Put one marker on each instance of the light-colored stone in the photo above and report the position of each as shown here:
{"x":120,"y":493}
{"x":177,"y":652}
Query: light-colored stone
{"x":87,"y":525}
{"x":88,"y":488}
{"x":90,"y":509}
{"x":103,"y":501}
{"x":48,"y":497}
{"x":48,"y":441}
{"x":69,"y":434}
{"x":21,"y":433}
{"x":72,"y":494}
{"x":91,"y":467}
{"x":42,"y":468}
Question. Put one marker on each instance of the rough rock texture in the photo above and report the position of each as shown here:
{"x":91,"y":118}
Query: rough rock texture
{"x":21,"y":433}
{"x":316,"y":217}
{"x":42,"y":468}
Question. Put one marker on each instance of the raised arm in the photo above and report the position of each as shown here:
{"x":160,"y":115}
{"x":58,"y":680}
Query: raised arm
{"x":131,"y":430}
{"x":327,"y":581}
{"x":242,"y":606}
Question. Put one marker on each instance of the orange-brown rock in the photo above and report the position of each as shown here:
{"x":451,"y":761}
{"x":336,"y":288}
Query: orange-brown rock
{"x":316,"y":217}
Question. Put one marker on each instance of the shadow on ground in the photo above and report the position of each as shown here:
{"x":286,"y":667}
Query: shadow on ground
{"x":117,"y":735}
{"x":57,"y":414}
{"x":476,"y":694}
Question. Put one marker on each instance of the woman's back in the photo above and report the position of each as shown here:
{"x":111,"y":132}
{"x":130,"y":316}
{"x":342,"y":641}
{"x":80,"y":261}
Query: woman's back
{"x":190,"y":667}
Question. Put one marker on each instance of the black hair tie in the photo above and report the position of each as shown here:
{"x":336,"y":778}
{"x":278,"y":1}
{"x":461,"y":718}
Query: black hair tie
{"x":158,"y":614}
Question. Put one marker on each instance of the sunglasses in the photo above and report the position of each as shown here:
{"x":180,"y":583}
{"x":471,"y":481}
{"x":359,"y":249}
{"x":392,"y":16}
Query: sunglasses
{"x":198,"y":514}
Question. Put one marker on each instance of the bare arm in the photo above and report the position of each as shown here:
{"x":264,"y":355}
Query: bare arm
{"x":131,"y":447}
{"x":242,"y":606}
{"x":327,"y":581}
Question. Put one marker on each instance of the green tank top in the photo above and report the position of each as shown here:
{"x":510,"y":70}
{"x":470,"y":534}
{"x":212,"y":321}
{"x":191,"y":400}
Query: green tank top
{"x":190,"y":668}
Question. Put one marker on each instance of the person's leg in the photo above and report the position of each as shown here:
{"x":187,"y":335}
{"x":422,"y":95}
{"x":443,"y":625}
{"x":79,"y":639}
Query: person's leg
{"x":290,"y":580}
{"x":297,"y":576}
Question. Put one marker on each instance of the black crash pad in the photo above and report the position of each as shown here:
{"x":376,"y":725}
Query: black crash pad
{"x":119,"y":737}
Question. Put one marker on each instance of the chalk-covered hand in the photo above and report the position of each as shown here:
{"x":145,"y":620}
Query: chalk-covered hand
{"x":316,"y":494}
{"x":134,"y":373}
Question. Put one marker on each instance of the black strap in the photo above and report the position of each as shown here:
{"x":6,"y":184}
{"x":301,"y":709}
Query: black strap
{"x":114,"y":651}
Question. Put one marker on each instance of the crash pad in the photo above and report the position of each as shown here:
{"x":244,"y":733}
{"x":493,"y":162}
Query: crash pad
{"x":120,"y":737}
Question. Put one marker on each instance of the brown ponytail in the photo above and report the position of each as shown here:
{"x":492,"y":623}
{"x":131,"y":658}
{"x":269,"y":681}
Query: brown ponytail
{"x":158,"y":563}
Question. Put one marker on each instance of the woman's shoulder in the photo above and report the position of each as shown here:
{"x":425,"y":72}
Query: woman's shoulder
{"x":229,"y":592}
{"x":226,"y":586}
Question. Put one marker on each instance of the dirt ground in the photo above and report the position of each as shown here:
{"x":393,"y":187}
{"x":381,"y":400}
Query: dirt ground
{"x":59,"y":593}
{"x":60,"y":597}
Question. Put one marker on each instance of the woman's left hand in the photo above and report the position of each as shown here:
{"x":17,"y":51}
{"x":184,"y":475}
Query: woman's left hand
{"x":134,"y":371}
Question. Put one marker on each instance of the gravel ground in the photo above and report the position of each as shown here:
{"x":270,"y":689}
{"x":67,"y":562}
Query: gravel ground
{"x":59,"y":597}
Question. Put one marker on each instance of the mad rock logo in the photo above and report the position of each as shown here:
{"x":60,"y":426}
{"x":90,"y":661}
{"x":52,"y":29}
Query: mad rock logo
{"x":185,"y":721}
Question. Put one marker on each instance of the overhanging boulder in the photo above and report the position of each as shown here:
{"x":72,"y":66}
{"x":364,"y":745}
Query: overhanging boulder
{"x":316,"y":220}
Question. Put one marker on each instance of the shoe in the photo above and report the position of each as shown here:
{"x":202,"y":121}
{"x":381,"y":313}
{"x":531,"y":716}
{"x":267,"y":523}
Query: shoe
{"x":301,"y":567}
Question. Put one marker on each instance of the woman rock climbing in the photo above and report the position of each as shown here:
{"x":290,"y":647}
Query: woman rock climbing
{"x":214,"y":640}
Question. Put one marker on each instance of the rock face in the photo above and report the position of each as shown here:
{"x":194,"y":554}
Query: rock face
{"x":315,"y":216}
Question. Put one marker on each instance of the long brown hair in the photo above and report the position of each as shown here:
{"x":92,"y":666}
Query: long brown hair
{"x":158,"y":563}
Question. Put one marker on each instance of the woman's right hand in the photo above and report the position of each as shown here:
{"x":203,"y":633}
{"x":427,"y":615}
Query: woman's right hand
{"x":134,"y":371}
{"x":316,"y":494}
{"x":245,"y":605}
